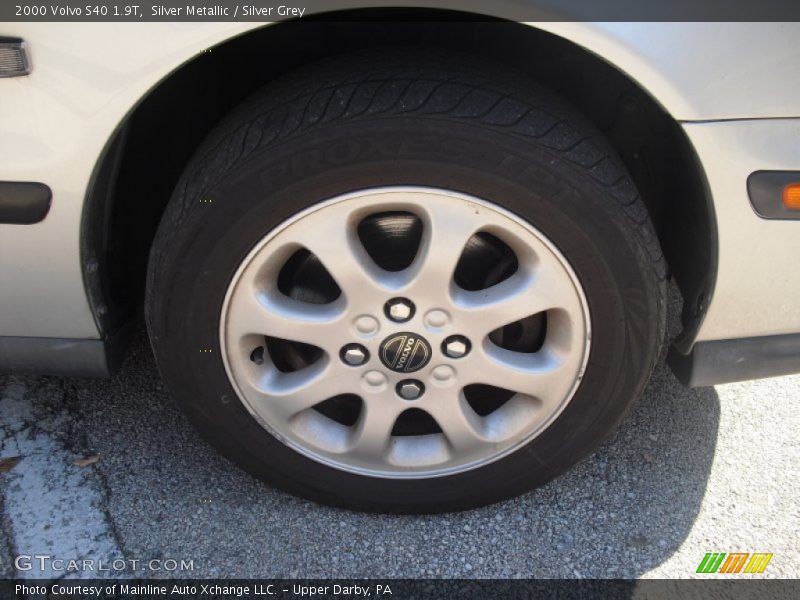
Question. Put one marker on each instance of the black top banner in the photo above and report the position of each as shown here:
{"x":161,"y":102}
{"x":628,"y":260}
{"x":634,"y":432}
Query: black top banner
{"x":513,"y":10}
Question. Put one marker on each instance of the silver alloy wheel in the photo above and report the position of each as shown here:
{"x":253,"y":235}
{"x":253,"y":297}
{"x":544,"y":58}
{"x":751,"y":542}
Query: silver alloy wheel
{"x":540,"y":383}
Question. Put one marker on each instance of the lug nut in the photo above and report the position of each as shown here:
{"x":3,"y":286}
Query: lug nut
{"x":410,"y":389}
{"x":354,"y":354}
{"x":456,"y":346}
{"x":399,"y":310}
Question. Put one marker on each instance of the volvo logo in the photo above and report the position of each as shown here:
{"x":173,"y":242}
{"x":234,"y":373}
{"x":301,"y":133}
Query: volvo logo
{"x":405,"y":352}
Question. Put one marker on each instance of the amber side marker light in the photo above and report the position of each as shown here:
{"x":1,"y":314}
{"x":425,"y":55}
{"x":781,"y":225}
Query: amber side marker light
{"x":791,"y":196}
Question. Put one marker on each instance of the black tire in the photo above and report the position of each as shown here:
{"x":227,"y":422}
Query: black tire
{"x":366,"y":120}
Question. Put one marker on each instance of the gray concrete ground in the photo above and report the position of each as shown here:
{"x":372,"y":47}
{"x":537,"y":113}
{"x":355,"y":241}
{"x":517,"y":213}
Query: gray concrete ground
{"x":689,"y":471}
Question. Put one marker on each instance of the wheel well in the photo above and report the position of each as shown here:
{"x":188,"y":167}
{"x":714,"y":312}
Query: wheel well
{"x":144,"y":159}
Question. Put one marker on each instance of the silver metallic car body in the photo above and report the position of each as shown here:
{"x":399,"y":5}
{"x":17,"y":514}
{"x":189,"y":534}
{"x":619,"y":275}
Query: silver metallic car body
{"x":733,"y":87}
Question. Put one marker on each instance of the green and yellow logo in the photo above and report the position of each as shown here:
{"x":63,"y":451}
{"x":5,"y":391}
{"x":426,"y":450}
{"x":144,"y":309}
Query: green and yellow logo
{"x":734,"y":562}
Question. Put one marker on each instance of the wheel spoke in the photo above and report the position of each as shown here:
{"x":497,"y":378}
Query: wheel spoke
{"x":542,"y":375}
{"x":334,"y":242}
{"x":523,"y":294}
{"x":459,"y":423}
{"x":373,"y":431}
{"x":281,"y":317}
{"x":446,"y":231}
{"x":284,"y":395}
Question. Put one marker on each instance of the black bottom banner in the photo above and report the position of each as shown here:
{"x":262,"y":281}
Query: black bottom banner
{"x":400,"y":589}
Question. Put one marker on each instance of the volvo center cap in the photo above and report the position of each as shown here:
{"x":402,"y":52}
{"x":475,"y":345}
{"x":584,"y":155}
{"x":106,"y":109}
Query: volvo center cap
{"x":405,"y":352}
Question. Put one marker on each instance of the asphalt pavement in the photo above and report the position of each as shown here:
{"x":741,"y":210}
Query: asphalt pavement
{"x":688,"y":472}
